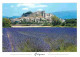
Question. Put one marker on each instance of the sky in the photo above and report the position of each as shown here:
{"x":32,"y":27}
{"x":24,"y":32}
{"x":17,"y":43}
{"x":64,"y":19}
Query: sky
{"x":17,"y":9}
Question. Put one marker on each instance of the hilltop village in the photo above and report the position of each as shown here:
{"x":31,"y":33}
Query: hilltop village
{"x":36,"y":17}
{"x":39,"y":19}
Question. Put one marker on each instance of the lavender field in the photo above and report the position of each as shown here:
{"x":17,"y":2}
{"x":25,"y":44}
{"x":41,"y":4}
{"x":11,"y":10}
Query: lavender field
{"x":47,"y":39}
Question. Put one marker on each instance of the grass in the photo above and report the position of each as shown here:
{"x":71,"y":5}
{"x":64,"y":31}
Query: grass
{"x":66,"y":47}
{"x":62,"y":47}
{"x":71,"y":48}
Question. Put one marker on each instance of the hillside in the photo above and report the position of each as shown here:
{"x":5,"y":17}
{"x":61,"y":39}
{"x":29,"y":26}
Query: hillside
{"x":13,"y":17}
{"x":66,"y":14}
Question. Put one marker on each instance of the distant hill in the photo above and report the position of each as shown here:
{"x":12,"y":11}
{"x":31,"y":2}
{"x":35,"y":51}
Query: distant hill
{"x":5,"y":17}
{"x":13,"y":17}
{"x":66,"y":14}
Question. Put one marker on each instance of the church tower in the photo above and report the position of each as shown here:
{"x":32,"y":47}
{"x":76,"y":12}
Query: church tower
{"x":43,"y":14}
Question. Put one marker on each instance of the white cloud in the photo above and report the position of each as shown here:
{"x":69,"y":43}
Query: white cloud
{"x":24,"y":8}
{"x":31,"y":5}
{"x":39,"y":9}
{"x":12,"y":6}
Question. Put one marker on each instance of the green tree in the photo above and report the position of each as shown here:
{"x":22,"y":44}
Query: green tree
{"x":63,"y":24}
{"x":6,"y":22}
{"x":15,"y":22}
{"x":71,"y":22}
{"x":56,"y":20}
{"x":23,"y":21}
{"x":27,"y":13}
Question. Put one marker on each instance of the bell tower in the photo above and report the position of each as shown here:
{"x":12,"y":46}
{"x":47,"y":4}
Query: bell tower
{"x":43,"y":14}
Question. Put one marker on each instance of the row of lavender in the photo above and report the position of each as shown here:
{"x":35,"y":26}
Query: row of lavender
{"x":42,"y":39}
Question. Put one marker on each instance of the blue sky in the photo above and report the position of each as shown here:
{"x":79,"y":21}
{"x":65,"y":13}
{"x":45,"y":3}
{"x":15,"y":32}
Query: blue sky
{"x":17,"y":9}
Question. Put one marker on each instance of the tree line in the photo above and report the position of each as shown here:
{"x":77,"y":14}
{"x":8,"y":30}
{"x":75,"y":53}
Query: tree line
{"x":68,"y":22}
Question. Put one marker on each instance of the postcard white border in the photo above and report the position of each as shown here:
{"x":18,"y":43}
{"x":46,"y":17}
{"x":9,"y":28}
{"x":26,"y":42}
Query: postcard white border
{"x":46,"y":54}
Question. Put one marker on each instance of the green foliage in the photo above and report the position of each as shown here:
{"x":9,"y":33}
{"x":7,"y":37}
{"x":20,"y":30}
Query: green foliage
{"x":23,"y":21}
{"x":68,"y":22}
{"x":16,"y":22}
{"x":56,"y":21}
{"x":6,"y":22}
{"x":71,"y":22}
{"x":71,"y":48}
{"x":63,"y":24}
{"x":27,"y":13}
{"x":46,"y":23}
